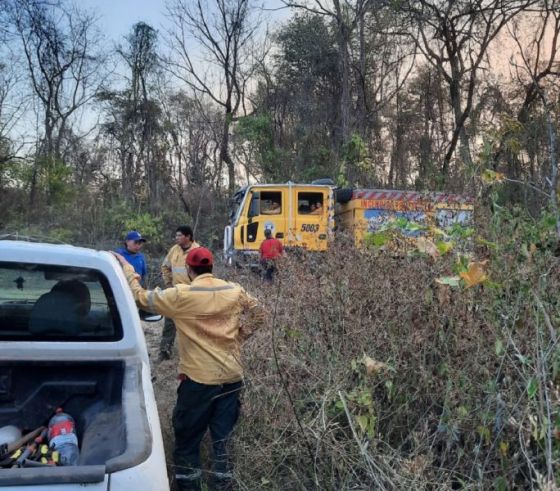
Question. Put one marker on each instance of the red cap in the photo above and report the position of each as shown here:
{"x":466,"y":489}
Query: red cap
{"x":200,"y":257}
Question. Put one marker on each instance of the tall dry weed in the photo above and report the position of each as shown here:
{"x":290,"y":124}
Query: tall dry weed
{"x":370,"y":375}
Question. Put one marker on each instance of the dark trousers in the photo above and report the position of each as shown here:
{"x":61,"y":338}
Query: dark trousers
{"x":200,"y":407}
{"x":269,"y":268}
{"x":167,"y":336}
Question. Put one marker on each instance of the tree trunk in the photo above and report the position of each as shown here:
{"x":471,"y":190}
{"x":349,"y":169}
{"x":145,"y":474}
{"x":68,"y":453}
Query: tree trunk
{"x":345,"y":98}
{"x":224,"y":152}
{"x":460,"y":135}
{"x":361,"y":109}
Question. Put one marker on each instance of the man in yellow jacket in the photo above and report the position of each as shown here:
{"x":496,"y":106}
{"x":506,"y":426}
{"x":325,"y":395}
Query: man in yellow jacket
{"x":174,"y":272}
{"x":207,"y":317}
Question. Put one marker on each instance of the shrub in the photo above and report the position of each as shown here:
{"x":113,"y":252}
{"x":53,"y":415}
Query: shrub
{"x":371,"y":375}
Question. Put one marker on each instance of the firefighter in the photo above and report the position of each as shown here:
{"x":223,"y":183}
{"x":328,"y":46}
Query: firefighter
{"x":273,"y":209}
{"x":207,"y":317}
{"x":270,"y":250}
{"x":317,"y":209}
{"x":174,"y":272}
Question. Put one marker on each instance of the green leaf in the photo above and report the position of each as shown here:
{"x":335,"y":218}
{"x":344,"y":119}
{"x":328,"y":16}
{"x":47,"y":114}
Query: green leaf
{"x":500,"y":484}
{"x":444,"y":247}
{"x":293,"y":333}
{"x":365,"y":399}
{"x":449,"y":280}
{"x":413,"y":227}
{"x":490,"y":245}
{"x":461,"y":265}
{"x":400,"y":222}
{"x":499,"y":345}
{"x":523,"y":359}
{"x":363,"y":422}
{"x":484,"y":433}
{"x":532,"y":388}
{"x":462,"y":411}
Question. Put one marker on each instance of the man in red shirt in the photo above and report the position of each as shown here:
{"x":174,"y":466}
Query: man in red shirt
{"x":271,"y":249}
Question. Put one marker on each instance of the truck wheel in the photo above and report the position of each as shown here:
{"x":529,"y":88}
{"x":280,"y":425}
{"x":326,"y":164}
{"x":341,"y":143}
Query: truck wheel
{"x":343,"y":195}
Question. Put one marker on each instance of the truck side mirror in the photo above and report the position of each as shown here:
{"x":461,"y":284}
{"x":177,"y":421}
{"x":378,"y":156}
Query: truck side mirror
{"x":149,"y":316}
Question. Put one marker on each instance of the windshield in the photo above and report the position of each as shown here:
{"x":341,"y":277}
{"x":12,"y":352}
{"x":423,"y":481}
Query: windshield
{"x":235,"y":203}
{"x":41,"y":302}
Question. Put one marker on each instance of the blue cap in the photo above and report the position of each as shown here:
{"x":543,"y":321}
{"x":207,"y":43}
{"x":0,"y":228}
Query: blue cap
{"x":134,"y":235}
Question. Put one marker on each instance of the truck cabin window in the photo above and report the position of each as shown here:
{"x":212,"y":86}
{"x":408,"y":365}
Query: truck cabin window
{"x":40,"y":302}
{"x":271,"y":203}
{"x":310,"y":203}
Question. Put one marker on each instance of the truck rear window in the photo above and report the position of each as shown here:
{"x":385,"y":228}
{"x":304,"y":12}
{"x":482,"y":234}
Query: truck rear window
{"x":40,"y":302}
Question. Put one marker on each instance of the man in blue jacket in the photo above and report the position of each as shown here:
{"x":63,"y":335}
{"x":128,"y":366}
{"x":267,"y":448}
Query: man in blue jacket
{"x":131,"y":251}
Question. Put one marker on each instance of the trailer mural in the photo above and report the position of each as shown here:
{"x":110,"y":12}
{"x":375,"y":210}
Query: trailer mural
{"x":412,"y":223}
{"x":446,"y":217}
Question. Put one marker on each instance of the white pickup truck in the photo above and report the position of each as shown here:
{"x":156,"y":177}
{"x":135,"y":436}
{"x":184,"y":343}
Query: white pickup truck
{"x":70,"y":337}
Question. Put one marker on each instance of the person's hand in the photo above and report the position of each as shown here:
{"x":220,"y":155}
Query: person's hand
{"x":119,"y":258}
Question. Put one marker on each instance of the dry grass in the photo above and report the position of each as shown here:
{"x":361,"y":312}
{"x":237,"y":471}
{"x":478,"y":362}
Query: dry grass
{"x":369,"y":375}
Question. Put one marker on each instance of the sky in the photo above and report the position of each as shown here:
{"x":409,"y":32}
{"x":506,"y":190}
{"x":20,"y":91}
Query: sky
{"x":116,"y":17}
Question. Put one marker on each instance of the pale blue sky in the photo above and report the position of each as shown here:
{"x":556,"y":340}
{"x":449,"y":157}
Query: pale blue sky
{"x":116,"y":17}
{"x":115,"y":20}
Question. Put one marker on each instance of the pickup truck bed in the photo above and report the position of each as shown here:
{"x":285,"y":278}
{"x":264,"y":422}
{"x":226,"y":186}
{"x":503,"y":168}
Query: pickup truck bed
{"x":102,"y":397}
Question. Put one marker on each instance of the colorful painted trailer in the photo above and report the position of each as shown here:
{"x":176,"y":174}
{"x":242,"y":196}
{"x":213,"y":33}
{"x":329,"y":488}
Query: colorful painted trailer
{"x":411,"y":214}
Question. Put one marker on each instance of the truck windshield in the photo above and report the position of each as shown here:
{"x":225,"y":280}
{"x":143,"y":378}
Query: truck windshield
{"x":235,"y":203}
{"x":40,"y":302}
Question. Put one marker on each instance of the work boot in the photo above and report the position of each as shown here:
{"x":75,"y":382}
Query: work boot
{"x":164,"y":355}
{"x":222,"y":482}
{"x":189,"y":482}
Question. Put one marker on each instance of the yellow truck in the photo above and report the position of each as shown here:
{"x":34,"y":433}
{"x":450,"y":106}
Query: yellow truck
{"x":309,"y":216}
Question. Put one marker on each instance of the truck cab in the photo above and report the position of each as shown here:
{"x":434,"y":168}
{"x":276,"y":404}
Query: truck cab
{"x":82,"y":349}
{"x":299,"y":215}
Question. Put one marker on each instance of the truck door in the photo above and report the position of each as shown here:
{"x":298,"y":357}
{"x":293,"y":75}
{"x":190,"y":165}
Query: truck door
{"x":267,"y":209}
{"x":311,"y":218}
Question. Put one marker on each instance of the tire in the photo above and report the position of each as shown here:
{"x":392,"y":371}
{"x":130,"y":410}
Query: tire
{"x":343,"y":195}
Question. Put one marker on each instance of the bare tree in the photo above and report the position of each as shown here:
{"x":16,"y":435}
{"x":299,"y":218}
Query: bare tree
{"x":58,"y":45}
{"x":537,"y":68}
{"x":140,"y":114}
{"x":12,"y":107}
{"x":222,"y":33}
{"x":454,"y":38}
{"x":347,"y":16}
{"x":191,"y":132}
